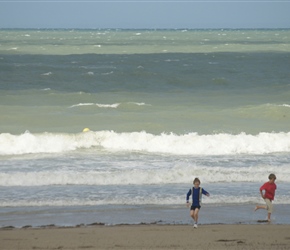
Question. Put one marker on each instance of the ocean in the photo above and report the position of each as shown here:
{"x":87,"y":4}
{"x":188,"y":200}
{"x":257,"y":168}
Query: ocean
{"x":162,"y":107}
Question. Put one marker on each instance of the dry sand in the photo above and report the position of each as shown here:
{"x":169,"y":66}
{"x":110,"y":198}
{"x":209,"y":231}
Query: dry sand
{"x":260,"y":236}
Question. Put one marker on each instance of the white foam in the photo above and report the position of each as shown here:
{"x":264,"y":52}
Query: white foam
{"x":114,"y":173}
{"x":47,"y":74}
{"x":276,"y":105}
{"x":81,"y":104}
{"x":115,"y":105}
{"x":194,"y":144}
{"x":107,"y":73}
{"x":186,"y":144}
{"x":14,"y":48}
{"x":139,"y":103}
{"x":148,"y":200}
{"x":286,"y":105}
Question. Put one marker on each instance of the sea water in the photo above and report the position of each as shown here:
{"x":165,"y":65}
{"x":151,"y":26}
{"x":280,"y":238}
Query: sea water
{"x":162,"y":106}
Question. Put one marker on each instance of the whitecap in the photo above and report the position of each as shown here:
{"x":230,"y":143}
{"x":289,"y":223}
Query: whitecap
{"x":139,"y":103}
{"x":81,"y":104}
{"x":14,"y":48}
{"x":172,"y":60}
{"x":47,"y":74}
{"x":107,"y":73}
{"x":115,"y":105}
{"x":185,"y":144}
{"x":286,"y":105}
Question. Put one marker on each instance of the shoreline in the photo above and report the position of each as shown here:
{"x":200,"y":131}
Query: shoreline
{"x":154,"y":223}
{"x":137,"y":215}
{"x":149,"y":236}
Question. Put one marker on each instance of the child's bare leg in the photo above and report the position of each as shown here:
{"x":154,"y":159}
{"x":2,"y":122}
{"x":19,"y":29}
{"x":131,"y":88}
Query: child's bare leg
{"x":269,"y":217}
{"x":196,"y":215}
{"x":260,"y":207}
{"x":192,"y":214}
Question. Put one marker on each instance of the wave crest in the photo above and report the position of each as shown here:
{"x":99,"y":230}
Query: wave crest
{"x":186,"y":144}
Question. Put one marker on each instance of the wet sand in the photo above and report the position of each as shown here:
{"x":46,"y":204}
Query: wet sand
{"x":239,"y":236}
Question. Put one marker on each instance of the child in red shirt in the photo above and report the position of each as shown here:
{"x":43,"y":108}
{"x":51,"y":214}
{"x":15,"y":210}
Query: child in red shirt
{"x":268,"y":195}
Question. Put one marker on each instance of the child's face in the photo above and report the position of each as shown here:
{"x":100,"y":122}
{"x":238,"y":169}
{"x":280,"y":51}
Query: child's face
{"x":272,"y":180}
{"x":196,"y":184}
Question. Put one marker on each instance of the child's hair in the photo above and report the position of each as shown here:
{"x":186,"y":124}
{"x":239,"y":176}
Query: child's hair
{"x":196,"y":180}
{"x":272,"y":176}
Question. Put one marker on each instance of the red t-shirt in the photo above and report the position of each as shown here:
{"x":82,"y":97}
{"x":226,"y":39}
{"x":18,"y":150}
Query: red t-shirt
{"x":269,"y":190}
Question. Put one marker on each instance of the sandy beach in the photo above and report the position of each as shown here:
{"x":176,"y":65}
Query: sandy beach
{"x":260,"y":236}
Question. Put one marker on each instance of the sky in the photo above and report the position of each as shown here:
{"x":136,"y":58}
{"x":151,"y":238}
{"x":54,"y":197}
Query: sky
{"x":145,"y":14}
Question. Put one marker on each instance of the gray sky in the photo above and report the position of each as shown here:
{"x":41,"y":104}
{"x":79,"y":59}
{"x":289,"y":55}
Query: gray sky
{"x":144,"y":14}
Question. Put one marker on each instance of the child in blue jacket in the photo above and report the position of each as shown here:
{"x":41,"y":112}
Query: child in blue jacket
{"x":196,"y":193}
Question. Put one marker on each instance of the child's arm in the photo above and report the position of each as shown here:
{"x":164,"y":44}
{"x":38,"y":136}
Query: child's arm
{"x":187,"y":196}
{"x":205,"y":192}
{"x":262,"y":194}
{"x":261,"y":191}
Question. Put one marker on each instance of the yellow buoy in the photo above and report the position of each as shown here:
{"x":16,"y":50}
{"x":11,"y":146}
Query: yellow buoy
{"x":86,"y":130}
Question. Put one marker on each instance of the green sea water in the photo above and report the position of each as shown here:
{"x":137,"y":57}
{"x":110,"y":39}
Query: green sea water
{"x":162,"y":106}
{"x":178,"y":81}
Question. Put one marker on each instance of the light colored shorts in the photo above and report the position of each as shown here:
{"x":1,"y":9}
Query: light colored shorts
{"x":269,"y":206}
